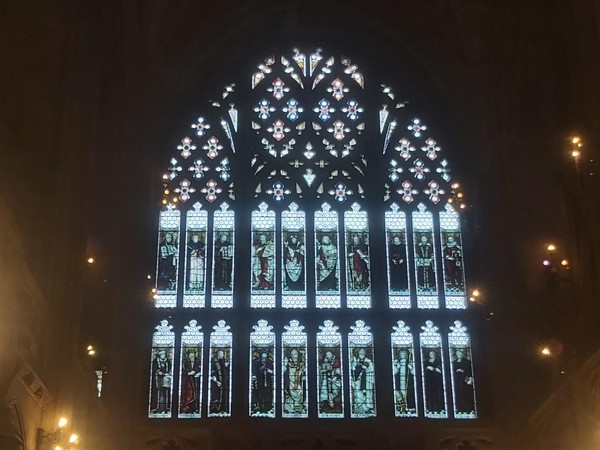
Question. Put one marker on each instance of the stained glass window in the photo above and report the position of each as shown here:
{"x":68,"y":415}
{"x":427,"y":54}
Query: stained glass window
{"x":294,"y":387}
{"x":327,"y":266}
{"x":452,"y":254}
{"x":221,"y":354}
{"x":361,"y":371}
{"x":223,"y":257}
{"x":358,"y":263}
{"x":195,"y":258}
{"x":432,"y":368}
{"x":190,"y":372}
{"x":329,"y":371}
{"x":293,"y":276}
{"x":167,"y":267}
{"x":404,"y":371}
{"x":263,"y":258}
{"x":161,"y":371}
{"x":397,"y":258}
{"x":262,"y":370}
{"x":461,"y":369}
{"x":425,"y":263}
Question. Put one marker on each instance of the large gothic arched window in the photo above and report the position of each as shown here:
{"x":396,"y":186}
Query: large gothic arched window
{"x":308,"y":220}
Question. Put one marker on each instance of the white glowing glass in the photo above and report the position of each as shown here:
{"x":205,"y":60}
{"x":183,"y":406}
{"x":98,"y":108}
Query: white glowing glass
{"x":461,"y":371}
{"x":397,"y":258}
{"x":361,"y":371}
{"x":261,"y":399}
{"x":221,"y":357}
{"x":194,"y":290}
{"x":190,"y":371}
{"x":161,"y":372}
{"x":433,"y":372}
{"x":327,"y":266}
{"x":330,"y":379}
{"x":358,"y":262}
{"x":452,"y":259}
{"x":223,"y":257}
{"x":404,"y":369}
{"x":425,"y":260}
{"x":263,"y":260}
{"x":167,"y":265}
{"x":293,"y":265}
{"x":294,"y":381}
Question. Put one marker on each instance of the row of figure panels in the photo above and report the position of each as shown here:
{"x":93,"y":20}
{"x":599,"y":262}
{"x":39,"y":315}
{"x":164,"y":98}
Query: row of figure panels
{"x":283,"y":260}
{"x":424,"y":373}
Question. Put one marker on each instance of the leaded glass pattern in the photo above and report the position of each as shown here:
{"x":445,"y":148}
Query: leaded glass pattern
{"x":461,"y":370}
{"x":329,"y":371}
{"x":432,"y":368}
{"x":262,"y":370}
{"x":293,"y":267}
{"x":358,"y":263}
{"x":263,"y":258}
{"x":161,"y":371}
{"x":327,"y":265}
{"x":167,"y":265}
{"x":223,"y":257}
{"x":397,"y":258}
{"x":361,"y":371}
{"x":221,"y":356}
{"x":190,"y":371}
{"x":404,"y":371}
{"x":452,"y":257}
{"x":194,"y":292}
{"x":294,"y":382}
{"x":425,"y":261}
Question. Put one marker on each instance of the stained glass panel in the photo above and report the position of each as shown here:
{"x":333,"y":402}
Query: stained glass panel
{"x":167,"y":267}
{"x":294,"y":395}
{"x":425,"y":265}
{"x":221,"y":354}
{"x":461,"y":370}
{"x":263,"y":258}
{"x":161,"y":371}
{"x":362,"y":371}
{"x":293,"y":277}
{"x":452,"y":254}
{"x":190,"y":373}
{"x":358,"y":264}
{"x":262,"y":370}
{"x":223,"y":257}
{"x":327,"y":267}
{"x":397,"y":258}
{"x":194,"y":291}
{"x":432,"y":368}
{"x":329,"y":371}
{"x":403,"y":371}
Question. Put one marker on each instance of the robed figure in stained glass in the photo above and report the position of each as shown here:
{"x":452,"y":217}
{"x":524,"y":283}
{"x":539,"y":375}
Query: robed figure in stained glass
{"x":219,"y":383}
{"x":190,"y":383}
{"x":195,"y":263}
{"x":397,"y":265}
{"x":223,"y":262}
{"x":463,"y":383}
{"x":434,"y":382}
{"x":167,"y":263}
{"x":263,"y":270}
{"x":327,"y":255}
{"x":294,"y":383}
{"x":453,"y":264}
{"x":330,"y":383}
{"x":404,"y":382}
{"x":294,"y":264}
{"x":262,"y":382}
{"x":424,"y":262}
{"x":363,"y":383}
{"x":162,"y":374}
{"x":358,"y":254}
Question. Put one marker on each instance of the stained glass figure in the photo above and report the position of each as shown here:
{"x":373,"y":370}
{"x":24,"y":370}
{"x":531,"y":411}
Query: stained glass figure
{"x":221,"y":350}
{"x":403,"y":371}
{"x":452,"y":253}
{"x":223,"y":257}
{"x":167,"y":267}
{"x":263,"y":258}
{"x":327,"y":270}
{"x":329,"y":371}
{"x":161,"y":371}
{"x":362,"y":371}
{"x":425,"y":266}
{"x":461,"y":369}
{"x":195,"y":258}
{"x":358,"y":263}
{"x":293,"y":266}
{"x":397,"y":258}
{"x":293,"y":371}
{"x":262,"y":370}
{"x":432,"y":368}
{"x":190,"y":372}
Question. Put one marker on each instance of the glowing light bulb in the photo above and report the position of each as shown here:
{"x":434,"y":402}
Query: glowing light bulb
{"x":89,"y":347}
{"x":576,"y":154}
{"x":564,"y":262}
{"x":58,"y":447}
{"x":153,"y":290}
{"x":62,"y":422}
{"x":149,"y":277}
{"x":576,"y":140}
{"x":546,"y":262}
{"x":90,"y":260}
{"x":164,"y":202}
{"x":73,"y":439}
{"x":545,"y":351}
{"x":91,"y":352}
{"x":463,"y":206}
{"x":455,"y":186}
{"x":551,"y":247}
{"x":165,"y":177}
{"x":476,"y":293}
{"x":459,"y":195}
